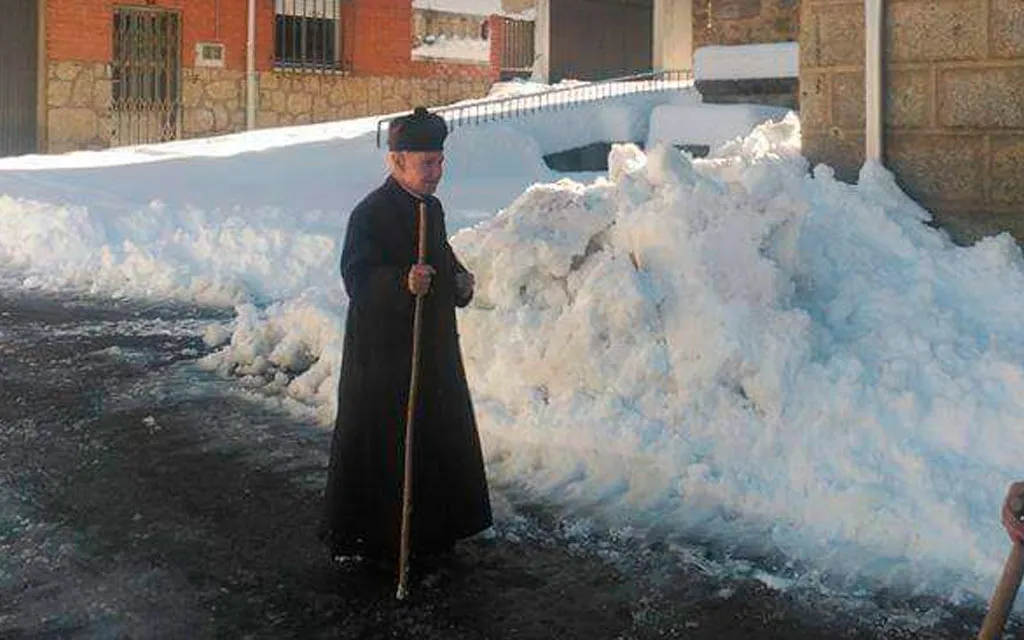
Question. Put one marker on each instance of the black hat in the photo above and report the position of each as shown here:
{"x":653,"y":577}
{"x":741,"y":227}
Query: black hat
{"x":420,"y":131}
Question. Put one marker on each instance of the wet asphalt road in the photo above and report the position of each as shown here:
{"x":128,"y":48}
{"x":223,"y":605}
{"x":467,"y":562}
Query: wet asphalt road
{"x":141,"y":497}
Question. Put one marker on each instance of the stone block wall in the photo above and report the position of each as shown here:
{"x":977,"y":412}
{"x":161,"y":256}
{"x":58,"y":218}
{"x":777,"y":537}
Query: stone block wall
{"x":291,"y":99}
{"x":730,"y":22}
{"x":77,"y":106}
{"x":954,"y":103}
{"x":213,"y":101}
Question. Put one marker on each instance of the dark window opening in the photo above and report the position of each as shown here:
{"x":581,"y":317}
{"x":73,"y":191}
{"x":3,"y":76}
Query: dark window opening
{"x":307,"y":43}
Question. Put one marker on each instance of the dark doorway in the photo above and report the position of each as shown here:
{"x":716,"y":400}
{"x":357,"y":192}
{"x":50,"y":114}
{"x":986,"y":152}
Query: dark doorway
{"x":19,"y":77}
{"x":600,"y":39}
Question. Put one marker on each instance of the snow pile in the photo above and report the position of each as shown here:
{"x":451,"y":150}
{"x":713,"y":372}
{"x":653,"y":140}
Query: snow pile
{"x":473,"y":49}
{"x":212,"y":258}
{"x":745,"y":354}
{"x":774,"y":360}
{"x":747,"y":61}
{"x":292,"y":348}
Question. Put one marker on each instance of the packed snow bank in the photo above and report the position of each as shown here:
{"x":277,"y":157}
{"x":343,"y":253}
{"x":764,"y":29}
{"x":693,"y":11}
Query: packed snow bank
{"x":259,"y":216}
{"x":707,"y":124}
{"x":224,"y":146}
{"x":747,"y":61}
{"x":152,"y":252}
{"x":208,"y":221}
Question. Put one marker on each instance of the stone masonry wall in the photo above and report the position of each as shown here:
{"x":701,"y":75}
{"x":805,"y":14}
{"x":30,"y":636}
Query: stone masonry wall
{"x":77,"y":106}
{"x":730,"y":22}
{"x":954,"y":103}
{"x":287,"y":99}
{"x":213,"y":101}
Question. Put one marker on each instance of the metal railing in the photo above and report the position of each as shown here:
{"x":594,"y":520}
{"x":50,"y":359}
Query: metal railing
{"x":498,"y":109}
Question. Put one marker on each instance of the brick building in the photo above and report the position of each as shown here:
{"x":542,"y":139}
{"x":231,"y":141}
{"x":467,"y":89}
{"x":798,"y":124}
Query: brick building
{"x":78,"y":74}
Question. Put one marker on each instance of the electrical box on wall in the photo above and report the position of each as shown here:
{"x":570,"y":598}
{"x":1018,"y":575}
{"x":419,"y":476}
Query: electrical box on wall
{"x":209,"y":54}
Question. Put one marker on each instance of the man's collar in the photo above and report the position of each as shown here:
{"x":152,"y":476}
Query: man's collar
{"x":415,"y":196}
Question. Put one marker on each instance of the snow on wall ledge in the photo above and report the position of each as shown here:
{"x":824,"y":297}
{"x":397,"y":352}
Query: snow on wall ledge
{"x":747,"y":61}
{"x":707,"y":124}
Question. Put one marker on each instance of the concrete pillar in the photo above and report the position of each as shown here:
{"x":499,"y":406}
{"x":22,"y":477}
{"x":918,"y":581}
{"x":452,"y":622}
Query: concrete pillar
{"x":673,"y":34}
{"x":542,"y":42}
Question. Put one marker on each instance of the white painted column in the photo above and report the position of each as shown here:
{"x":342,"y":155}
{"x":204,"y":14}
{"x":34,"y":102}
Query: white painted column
{"x":673,"y":34}
{"x":874,"y":21}
{"x":250,"y":67}
{"x":542,"y":41}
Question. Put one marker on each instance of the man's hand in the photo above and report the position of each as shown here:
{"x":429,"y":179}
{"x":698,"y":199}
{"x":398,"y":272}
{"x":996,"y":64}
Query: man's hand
{"x":419,"y":279}
{"x":464,"y":283}
{"x":1013,"y":507}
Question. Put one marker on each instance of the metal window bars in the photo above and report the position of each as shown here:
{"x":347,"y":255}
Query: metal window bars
{"x":308,"y":35}
{"x":498,"y":109}
{"x":517,"y":47}
{"x":145,"y":87}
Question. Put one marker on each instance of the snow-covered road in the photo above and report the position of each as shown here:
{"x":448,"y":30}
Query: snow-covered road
{"x":140,"y":496}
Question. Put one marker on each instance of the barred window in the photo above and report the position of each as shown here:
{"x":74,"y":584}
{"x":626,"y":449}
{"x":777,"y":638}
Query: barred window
{"x":307,"y":34}
{"x":144,"y":68}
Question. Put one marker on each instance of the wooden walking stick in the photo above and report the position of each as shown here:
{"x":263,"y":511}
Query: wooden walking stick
{"x":410,"y":414}
{"x":1006,"y":591}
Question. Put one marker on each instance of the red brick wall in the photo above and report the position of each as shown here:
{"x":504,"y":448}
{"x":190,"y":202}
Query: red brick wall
{"x":496,"y":31}
{"x":377,"y":42}
{"x":81,"y":30}
{"x":382,"y":44}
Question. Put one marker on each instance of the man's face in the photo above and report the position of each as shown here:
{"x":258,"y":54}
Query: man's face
{"x":420,"y":171}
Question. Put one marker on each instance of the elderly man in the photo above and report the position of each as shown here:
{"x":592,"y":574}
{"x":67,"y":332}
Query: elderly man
{"x":363,"y":498}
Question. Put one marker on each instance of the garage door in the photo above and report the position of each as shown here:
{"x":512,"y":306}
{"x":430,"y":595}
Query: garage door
{"x":19,"y":53}
{"x":599,"y":39}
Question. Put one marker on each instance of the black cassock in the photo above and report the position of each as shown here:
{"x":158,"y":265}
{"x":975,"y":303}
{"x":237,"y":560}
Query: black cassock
{"x":362,"y":511}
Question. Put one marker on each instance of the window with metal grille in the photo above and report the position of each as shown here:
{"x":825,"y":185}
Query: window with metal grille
{"x":145,"y":83}
{"x":145,"y":64}
{"x":308,"y":35}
